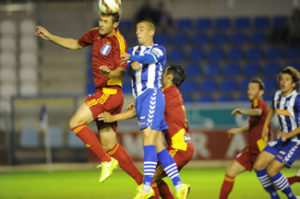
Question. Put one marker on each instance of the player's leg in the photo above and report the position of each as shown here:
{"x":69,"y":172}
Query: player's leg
{"x":295,"y":178}
{"x":115,"y":150}
{"x":260,"y":165}
{"x":78,"y":123}
{"x":233,"y":170}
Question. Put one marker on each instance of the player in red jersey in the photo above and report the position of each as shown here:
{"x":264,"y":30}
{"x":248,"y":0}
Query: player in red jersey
{"x":108,"y":47}
{"x":177,"y":135}
{"x":295,"y":178}
{"x":245,"y":159}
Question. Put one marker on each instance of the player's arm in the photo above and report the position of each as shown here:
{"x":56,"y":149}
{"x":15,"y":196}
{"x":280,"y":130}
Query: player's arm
{"x":265,"y":130}
{"x":247,"y":112}
{"x":112,"y":74}
{"x":143,"y":59}
{"x":68,"y":43}
{"x":108,"y":118}
{"x":284,"y":135}
{"x":238,"y":130}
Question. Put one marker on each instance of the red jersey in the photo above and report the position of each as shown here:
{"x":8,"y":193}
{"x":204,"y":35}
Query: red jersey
{"x":256,"y":124}
{"x":107,"y":50}
{"x":177,"y":134}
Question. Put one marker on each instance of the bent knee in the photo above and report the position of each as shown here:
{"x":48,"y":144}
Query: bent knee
{"x":258,"y":165}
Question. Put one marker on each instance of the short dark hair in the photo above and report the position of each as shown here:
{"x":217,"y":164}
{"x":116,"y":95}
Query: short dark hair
{"x":291,"y":71}
{"x":259,"y":82}
{"x":116,"y":16}
{"x":178,"y":72}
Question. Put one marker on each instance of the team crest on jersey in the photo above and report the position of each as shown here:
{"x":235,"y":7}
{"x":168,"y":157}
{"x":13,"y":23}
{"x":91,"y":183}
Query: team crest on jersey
{"x":105,"y":49}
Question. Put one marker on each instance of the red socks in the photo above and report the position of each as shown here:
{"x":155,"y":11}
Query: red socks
{"x":91,"y":141}
{"x":226,"y":187}
{"x":293,"y":179}
{"x":164,"y":190}
{"x":126,"y":163}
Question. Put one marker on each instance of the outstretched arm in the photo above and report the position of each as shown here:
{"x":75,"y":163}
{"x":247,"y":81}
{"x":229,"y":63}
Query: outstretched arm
{"x":68,"y":43}
{"x":112,"y":74}
{"x":247,"y":112}
{"x":265,"y":130}
{"x":238,"y":130}
{"x":108,"y":118}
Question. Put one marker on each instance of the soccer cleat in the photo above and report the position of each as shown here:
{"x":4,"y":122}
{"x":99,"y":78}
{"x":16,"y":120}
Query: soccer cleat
{"x":107,"y":169}
{"x":183,"y":192}
{"x":142,"y":195}
{"x":297,"y":197}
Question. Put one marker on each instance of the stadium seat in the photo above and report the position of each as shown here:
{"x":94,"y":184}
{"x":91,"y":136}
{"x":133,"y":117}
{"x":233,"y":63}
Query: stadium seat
{"x":212,"y":69}
{"x":8,"y":89}
{"x":29,"y":88}
{"x":8,"y":43}
{"x":27,"y":26}
{"x":188,"y":86}
{"x":223,"y":23}
{"x":203,"y":24}
{"x":8,"y":74}
{"x":127,"y":87}
{"x":279,"y":21}
{"x":205,"y":99}
{"x":242,"y":23}
{"x":8,"y":59}
{"x":162,"y":38}
{"x":187,"y":99}
{"x":196,"y":54}
{"x":228,"y":85}
{"x":244,"y":84}
{"x":28,"y":58}
{"x":8,"y":27}
{"x":261,"y":22}
{"x":275,"y":53}
{"x":56,"y":137}
{"x":208,"y":86}
{"x":271,"y":69}
{"x":74,"y":141}
{"x":252,"y":69}
{"x":29,"y":42}
{"x":235,"y":54}
{"x":183,"y":24}
{"x":216,"y":54}
{"x":193,"y":70}
{"x":219,"y":38}
{"x":238,"y":38}
{"x":243,"y":98}
{"x":258,"y":37}
{"x":225,"y":99}
{"x":232,"y":69}
{"x":29,"y":137}
{"x":125,"y":26}
{"x":293,"y":64}
{"x":255,"y":53}
{"x":90,"y":87}
{"x":270,"y":84}
{"x":176,"y":55}
{"x":180,"y":39}
{"x":28,"y":74}
{"x":200,"y":39}
{"x":293,"y":52}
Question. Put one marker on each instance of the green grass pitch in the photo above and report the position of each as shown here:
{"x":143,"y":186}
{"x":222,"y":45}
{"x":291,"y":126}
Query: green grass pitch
{"x":84,"y":184}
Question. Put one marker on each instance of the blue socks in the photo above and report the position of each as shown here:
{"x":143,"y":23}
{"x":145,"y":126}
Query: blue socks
{"x":170,"y":168}
{"x":283,"y":184}
{"x":267,"y":183}
{"x":150,"y":162}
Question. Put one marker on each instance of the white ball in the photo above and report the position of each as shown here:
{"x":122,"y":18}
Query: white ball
{"x":109,"y":6}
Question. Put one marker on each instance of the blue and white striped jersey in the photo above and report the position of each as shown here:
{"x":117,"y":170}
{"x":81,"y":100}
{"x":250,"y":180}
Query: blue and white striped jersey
{"x":150,"y":74}
{"x":288,"y":111}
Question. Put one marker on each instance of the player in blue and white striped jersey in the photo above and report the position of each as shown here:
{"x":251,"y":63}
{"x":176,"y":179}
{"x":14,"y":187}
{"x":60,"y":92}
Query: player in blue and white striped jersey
{"x":146,"y":64}
{"x":286,"y":149}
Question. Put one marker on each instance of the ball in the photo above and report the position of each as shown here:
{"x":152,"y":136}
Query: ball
{"x":109,"y":6}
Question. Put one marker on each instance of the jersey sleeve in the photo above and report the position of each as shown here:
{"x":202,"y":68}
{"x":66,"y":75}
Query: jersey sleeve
{"x":120,"y":48}
{"x":86,"y":39}
{"x":297,"y":104}
{"x":257,"y":104}
{"x":158,"y":52}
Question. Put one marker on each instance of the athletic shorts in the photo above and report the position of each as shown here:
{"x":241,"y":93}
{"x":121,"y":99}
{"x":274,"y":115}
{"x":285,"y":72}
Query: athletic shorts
{"x":246,"y":159}
{"x":150,"y":109}
{"x":108,"y":99}
{"x":285,"y":152}
{"x":180,"y":157}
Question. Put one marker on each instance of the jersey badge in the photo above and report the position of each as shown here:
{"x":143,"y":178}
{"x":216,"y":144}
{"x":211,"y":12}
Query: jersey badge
{"x":105,"y":49}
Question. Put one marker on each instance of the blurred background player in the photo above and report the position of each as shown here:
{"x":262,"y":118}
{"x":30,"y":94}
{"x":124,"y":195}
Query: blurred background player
{"x":177,"y":135}
{"x":286,"y":149}
{"x":108,"y":47}
{"x":245,"y":159}
{"x":147,"y":62}
{"x":295,"y":178}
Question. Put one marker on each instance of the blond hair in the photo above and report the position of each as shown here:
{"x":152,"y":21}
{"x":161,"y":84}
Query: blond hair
{"x":291,"y":71}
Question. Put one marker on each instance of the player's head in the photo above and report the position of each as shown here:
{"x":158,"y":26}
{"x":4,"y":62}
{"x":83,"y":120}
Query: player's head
{"x":108,"y":23}
{"x":145,"y":31}
{"x":173,"y":75}
{"x":256,"y":89}
{"x":288,"y":79}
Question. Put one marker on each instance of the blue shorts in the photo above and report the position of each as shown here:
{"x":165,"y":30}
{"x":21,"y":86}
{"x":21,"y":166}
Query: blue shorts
{"x":285,"y":152}
{"x":150,"y":109}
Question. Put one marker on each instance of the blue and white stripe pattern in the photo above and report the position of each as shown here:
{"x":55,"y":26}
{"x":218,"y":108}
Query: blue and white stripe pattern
{"x":282,"y":183}
{"x":152,"y":107}
{"x":149,"y":170}
{"x":265,"y":180}
{"x":288,"y":111}
{"x":172,"y":171}
{"x":149,"y":76}
{"x":291,"y":153}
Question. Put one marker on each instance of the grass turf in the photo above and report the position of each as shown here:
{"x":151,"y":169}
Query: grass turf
{"x":84,"y":184}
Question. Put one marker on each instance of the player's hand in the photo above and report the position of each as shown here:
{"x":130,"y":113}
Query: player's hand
{"x":135,"y":66}
{"x":104,"y":69}
{"x":42,"y":32}
{"x":130,"y":106}
{"x":237,"y":111}
{"x":264,"y":133}
{"x":234,"y":131}
{"x":106,"y":117}
{"x":284,"y":136}
{"x":125,"y":57}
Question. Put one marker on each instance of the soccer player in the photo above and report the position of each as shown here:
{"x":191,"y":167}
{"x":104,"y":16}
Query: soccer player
{"x":295,"y":178}
{"x":245,"y":159}
{"x":286,"y":149}
{"x":147,"y":62}
{"x":177,"y":135}
{"x":108,"y":47}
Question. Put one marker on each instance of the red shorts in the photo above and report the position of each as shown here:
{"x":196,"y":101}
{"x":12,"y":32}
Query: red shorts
{"x":246,"y":159}
{"x":181,"y":158}
{"x":108,"y":99}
